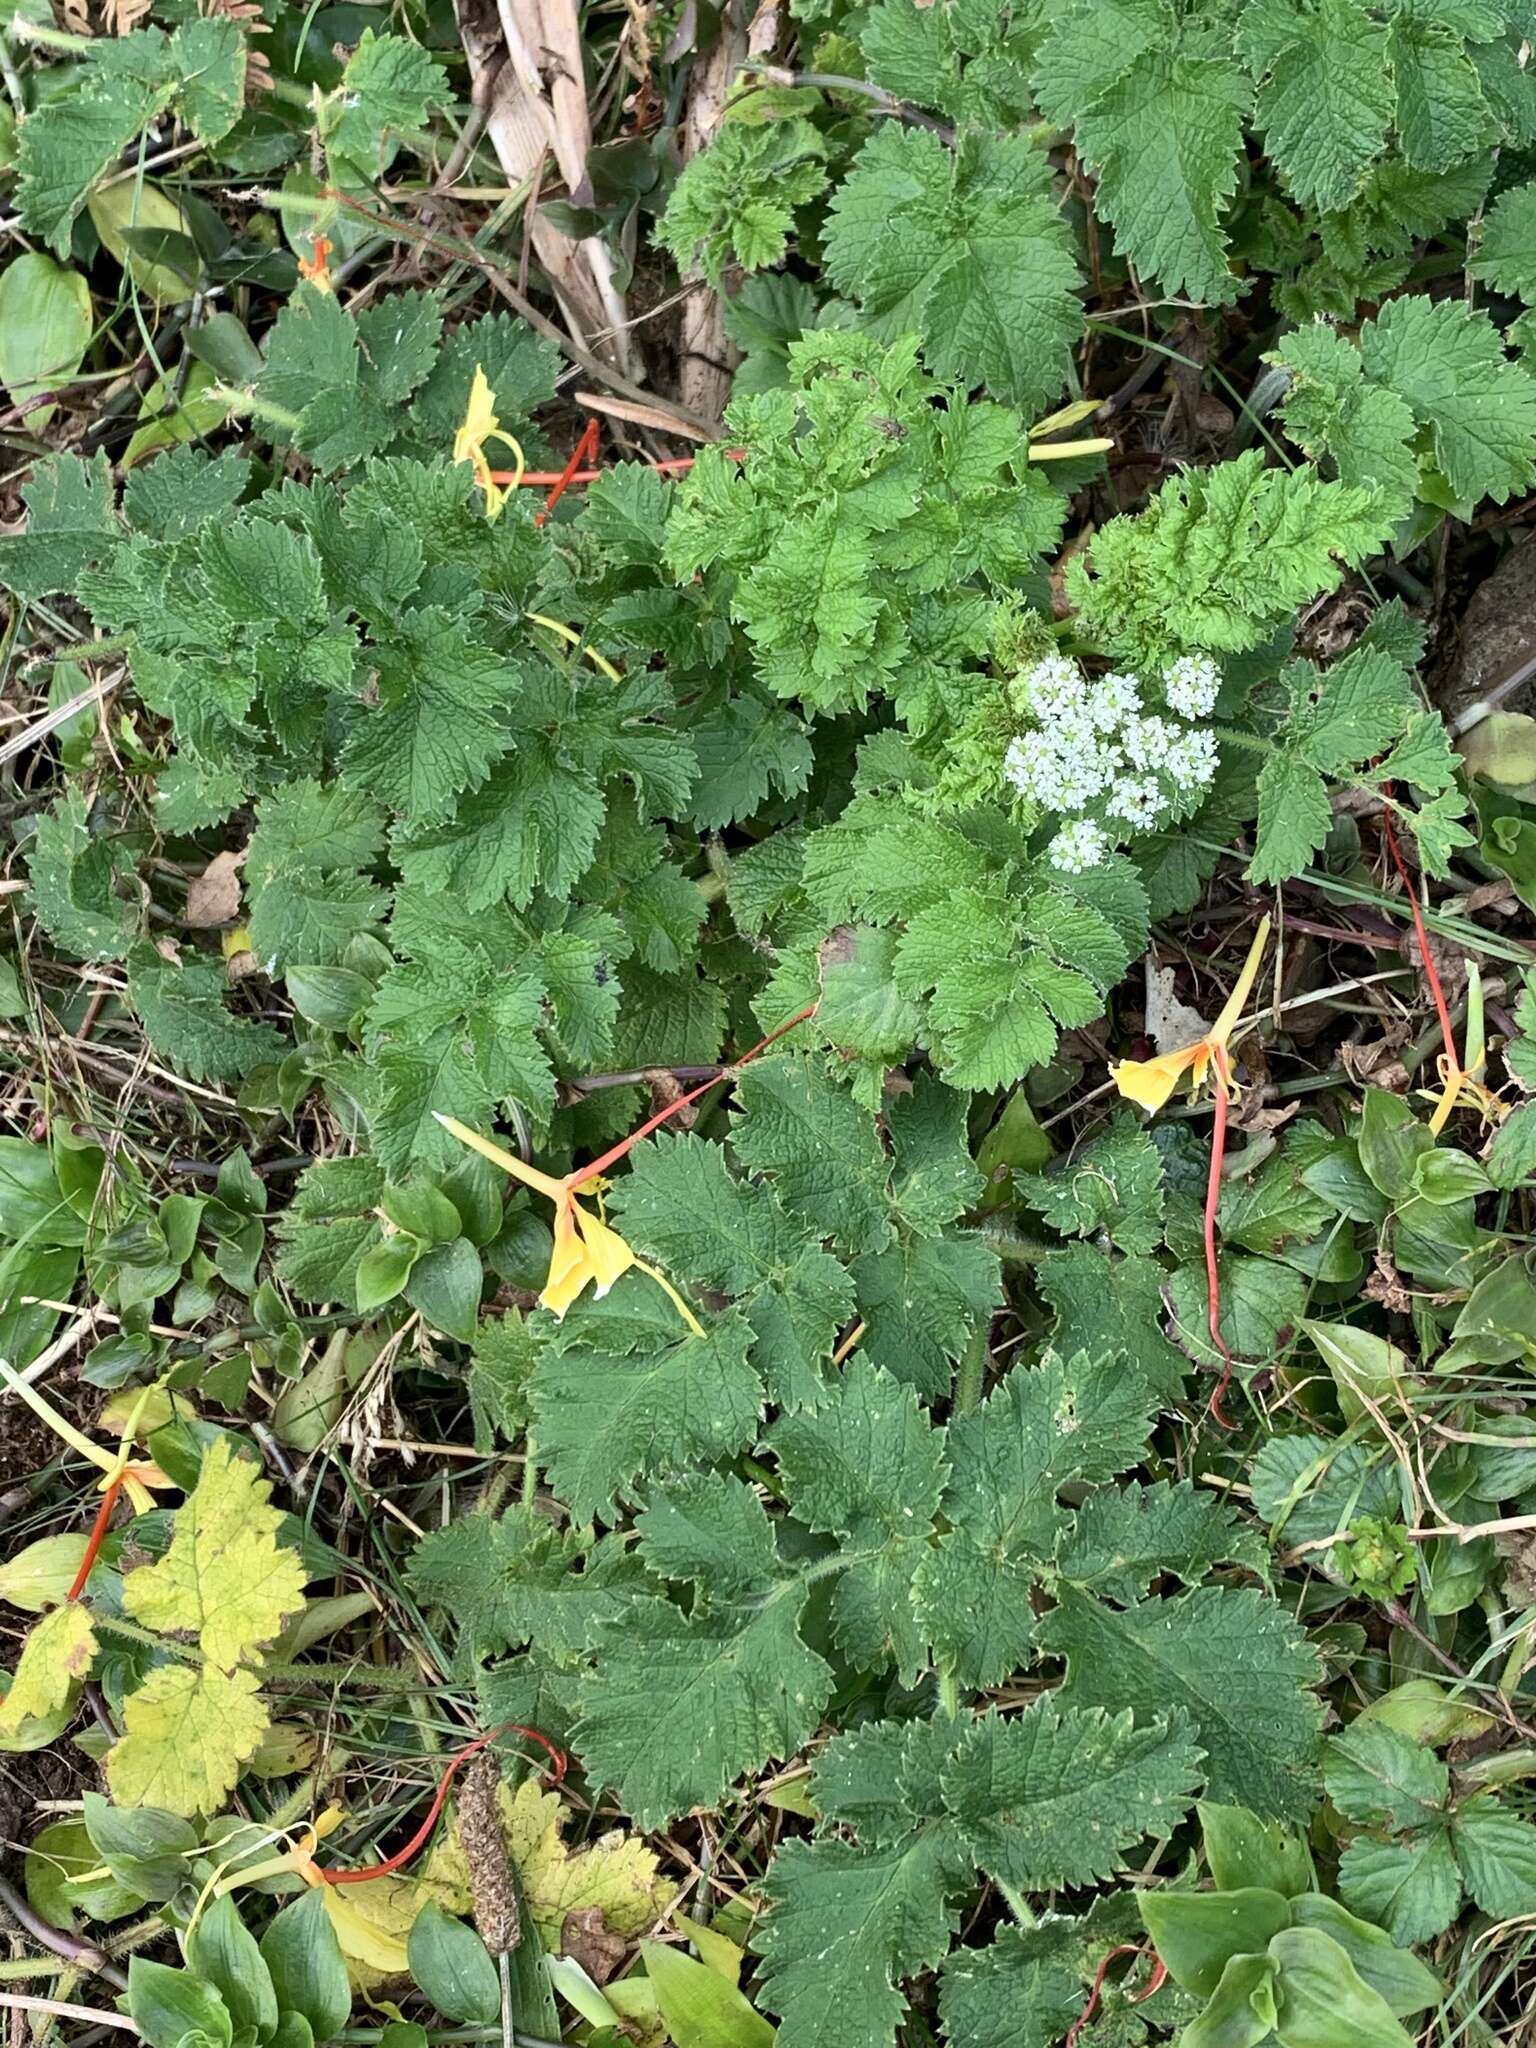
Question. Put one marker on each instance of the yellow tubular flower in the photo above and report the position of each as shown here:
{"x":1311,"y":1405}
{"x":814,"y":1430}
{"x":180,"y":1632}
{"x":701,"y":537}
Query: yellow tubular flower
{"x":586,"y":1249}
{"x":137,"y":1478}
{"x":364,"y":1940}
{"x":1463,"y":1085}
{"x":481,"y":425}
{"x":1151,"y":1082}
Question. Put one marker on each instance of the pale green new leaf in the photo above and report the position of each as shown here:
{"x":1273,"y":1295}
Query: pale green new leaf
{"x":1221,"y":556}
{"x":736,"y":200}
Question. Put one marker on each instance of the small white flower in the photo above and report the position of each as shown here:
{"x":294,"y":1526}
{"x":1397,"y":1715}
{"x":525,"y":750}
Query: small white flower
{"x":1019,"y":764}
{"x":1077,"y":846}
{"x":1052,"y":685}
{"x":1082,"y":767}
{"x":1147,"y":741}
{"x":1139,"y":800}
{"x":1192,"y":758}
{"x":1112,"y":700}
{"x":1191,"y":684}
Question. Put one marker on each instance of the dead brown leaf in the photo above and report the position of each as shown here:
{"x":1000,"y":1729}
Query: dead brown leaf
{"x":586,"y":1938}
{"x":214,"y":897}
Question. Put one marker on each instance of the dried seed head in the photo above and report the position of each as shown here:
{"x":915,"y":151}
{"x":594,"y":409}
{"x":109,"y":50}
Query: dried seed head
{"x":491,"y":1884}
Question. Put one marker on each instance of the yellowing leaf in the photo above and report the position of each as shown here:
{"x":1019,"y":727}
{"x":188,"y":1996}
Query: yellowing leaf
{"x":701,"y":2008}
{"x":617,"y":1873}
{"x":634,"y":2000}
{"x":371,"y":1923}
{"x":188,"y":1733}
{"x":146,"y":1408}
{"x":716,"y":1950}
{"x":225,"y":1574}
{"x":55,"y":1657}
{"x":41,"y":1574}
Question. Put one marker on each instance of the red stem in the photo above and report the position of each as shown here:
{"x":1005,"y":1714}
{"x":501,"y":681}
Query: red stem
{"x":1126,"y":1948}
{"x":1223,"y":1088}
{"x":673,"y":465}
{"x":616,"y":1152}
{"x":584,"y":451}
{"x":94,"y":1543}
{"x":366,"y":1872}
{"x":1431,"y":972}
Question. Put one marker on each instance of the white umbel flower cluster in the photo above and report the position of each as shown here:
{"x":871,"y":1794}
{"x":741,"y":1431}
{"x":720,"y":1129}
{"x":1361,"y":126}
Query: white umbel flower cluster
{"x":1105,"y":762}
{"x":1077,"y":846}
{"x":1191,"y":685}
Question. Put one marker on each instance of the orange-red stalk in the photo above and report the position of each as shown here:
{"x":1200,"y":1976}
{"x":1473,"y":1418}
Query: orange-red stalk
{"x":1431,"y":972}
{"x":584,"y":451}
{"x":1127,"y":1948}
{"x":94,"y":1543}
{"x":366,"y":1872}
{"x":1222,"y":1084}
{"x":616,"y":1152}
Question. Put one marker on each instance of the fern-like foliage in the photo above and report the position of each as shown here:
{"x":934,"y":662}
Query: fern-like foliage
{"x":1221,"y":557}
